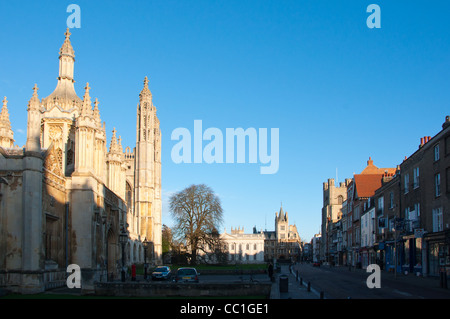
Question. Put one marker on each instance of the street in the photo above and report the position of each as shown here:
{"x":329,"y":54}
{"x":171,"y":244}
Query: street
{"x":342,"y":283}
{"x":232,"y":278}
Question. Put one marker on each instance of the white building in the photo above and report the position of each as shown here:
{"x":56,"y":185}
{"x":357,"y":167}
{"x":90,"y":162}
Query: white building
{"x":242,"y":248}
{"x":368,"y":236}
{"x":316,"y":247}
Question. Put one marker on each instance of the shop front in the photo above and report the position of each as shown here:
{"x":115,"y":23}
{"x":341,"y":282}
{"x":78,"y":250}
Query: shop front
{"x":412,"y":252}
{"x":438,"y":253}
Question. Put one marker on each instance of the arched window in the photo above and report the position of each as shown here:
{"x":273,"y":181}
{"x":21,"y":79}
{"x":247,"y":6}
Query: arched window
{"x":340,"y":199}
{"x":129,"y":196}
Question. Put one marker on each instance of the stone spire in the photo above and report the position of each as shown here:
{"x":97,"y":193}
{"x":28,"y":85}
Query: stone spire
{"x":33,"y":104}
{"x":86,"y":107}
{"x":115,"y":170}
{"x":4,"y":115}
{"x":147,"y":172}
{"x":67,"y":48}
{"x":115,"y":147}
{"x":34,"y":123}
{"x":96,"y":112}
{"x":145,"y":93}
{"x":64,"y":94}
{"x":6,"y":133}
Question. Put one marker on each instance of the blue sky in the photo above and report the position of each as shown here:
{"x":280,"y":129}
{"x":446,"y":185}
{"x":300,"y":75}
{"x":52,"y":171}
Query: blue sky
{"x":338,"y":91}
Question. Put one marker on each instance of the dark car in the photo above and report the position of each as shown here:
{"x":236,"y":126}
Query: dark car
{"x":161,"y":273}
{"x":186,"y":275}
{"x":316,"y":264}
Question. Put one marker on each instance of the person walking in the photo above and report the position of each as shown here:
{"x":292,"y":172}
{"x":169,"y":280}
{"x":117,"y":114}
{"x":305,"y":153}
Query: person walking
{"x":270,"y":271}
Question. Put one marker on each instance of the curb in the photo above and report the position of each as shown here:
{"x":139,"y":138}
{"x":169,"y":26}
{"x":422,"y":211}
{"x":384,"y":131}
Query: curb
{"x":321,"y":295}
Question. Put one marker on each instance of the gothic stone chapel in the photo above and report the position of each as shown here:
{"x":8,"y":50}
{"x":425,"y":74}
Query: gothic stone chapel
{"x":65,"y":198}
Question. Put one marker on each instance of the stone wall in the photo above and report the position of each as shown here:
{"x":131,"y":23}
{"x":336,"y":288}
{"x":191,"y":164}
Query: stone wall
{"x":128,"y":289}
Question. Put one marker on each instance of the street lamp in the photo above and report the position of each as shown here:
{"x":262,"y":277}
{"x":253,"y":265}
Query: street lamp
{"x":123,"y":238}
{"x":146,"y":244}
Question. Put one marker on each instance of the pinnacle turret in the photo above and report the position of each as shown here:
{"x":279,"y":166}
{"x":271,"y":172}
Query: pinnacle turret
{"x":145,"y":93}
{"x":34,"y":123}
{"x":67,"y":48}
{"x":33,"y":104}
{"x":6,"y":133}
{"x":4,"y":115}
{"x":115,"y":147}
{"x":86,"y":107}
{"x":64,"y":94}
{"x":97,"y":113}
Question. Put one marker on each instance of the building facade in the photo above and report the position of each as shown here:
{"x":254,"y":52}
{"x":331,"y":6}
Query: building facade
{"x":399,"y":218}
{"x":333,"y":198}
{"x":284,"y":243}
{"x":244,"y":248}
{"x":424,"y":205}
{"x":66,"y":197}
{"x":387,"y":212}
{"x":237,"y":247}
{"x":315,"y":247}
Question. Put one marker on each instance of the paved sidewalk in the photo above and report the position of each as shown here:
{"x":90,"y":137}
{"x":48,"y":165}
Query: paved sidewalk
{"x":296,"y":289}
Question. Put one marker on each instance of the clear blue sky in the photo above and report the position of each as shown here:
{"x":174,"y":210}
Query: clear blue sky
{"x":338,"y":91}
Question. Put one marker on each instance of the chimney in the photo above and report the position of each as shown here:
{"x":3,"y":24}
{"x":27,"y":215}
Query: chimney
{"x":446,"y":123}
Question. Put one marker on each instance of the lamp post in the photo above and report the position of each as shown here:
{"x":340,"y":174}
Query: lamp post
{"x":123,"y":238}
{"x":146,"y":243}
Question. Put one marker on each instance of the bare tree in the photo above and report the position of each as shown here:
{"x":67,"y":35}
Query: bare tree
{"x":197,"y":212}
{"x":212,"y":246}
{"x":166,"y":239}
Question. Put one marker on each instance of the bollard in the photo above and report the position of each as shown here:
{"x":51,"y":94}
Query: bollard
{"x":301,"y":281}
{"x":309,"y":286}
{"x":443,"y":279}
{"x":297,"y":275}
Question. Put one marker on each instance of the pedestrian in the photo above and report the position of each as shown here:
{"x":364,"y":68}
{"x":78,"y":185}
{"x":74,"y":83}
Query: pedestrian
{"x":270,"y":271}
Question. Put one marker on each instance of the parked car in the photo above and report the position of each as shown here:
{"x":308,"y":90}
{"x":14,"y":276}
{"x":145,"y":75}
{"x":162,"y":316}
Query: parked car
{"x":316,"y":264}
{"x":161,"y":273}
{"x":186,"y":275}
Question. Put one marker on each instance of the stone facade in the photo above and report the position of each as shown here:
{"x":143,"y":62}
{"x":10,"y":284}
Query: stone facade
{"x":244,"y":248}
{"x":333,"y":198}
{"x":284,"y":243}
{"x":238,"y":247}
{"x":65,"y":197}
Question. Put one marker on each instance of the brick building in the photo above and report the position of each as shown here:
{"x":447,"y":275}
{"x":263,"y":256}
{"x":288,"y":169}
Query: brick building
{"x":387,"y":211}
{"x":424,"y":205}
{"x":359,"y":191}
